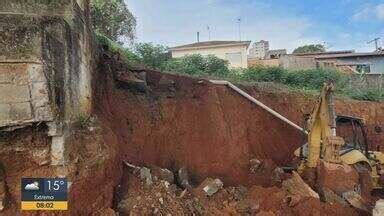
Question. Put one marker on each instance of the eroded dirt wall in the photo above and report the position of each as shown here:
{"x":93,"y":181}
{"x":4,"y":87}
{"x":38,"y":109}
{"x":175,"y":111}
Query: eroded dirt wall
{"x":179,"y":121}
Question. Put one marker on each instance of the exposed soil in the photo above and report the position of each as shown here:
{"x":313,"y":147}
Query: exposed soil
{"x":177,"y":121}
{"x":161,"y":198}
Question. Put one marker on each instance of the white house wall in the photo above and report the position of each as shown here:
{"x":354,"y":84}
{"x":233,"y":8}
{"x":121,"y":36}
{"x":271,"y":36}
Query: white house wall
{"x":220,"y":52}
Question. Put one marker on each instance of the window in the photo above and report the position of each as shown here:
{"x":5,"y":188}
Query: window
{"x":363,"y":68}
{"x":234,"y":58}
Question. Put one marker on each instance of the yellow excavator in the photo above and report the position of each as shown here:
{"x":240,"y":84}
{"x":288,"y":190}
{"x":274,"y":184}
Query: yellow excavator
{"x":334,"y":139}
{"x":338,"y":139}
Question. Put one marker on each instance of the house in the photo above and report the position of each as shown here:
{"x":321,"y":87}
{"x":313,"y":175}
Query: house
{"x":275,"y":54}
{"x":366,"y":69}
{"x":302,"y":61}
{"x":235,"y":52}
{"x":370,"y":63}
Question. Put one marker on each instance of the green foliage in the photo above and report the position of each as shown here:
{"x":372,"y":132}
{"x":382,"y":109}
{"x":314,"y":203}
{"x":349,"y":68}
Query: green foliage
{"x":264,"y":74}
{"x":369,"y":94}
{"x":312,"y":48}
{"x":301,"y":79}
{"x":125,"y":53}
{"x":113,"y":19}
{"x":306,"y":81}
{"x":152,"y":56}
{"x":197,"y":64}
{"x":314,"y":78}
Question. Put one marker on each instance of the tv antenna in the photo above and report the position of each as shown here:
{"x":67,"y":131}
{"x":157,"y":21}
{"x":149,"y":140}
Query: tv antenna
{"x":238,"y":20}
{"x":209,"y":32}
{"x":376,"y":40}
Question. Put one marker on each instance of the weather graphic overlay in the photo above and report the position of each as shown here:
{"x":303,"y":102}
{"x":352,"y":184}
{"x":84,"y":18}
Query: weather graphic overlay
{"x":44,"y":194}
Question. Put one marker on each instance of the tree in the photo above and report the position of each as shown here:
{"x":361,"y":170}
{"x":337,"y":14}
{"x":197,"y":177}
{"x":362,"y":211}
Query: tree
{"x":152,"y":56}
{"x":113,"y":19}
{"x":312,"y":48}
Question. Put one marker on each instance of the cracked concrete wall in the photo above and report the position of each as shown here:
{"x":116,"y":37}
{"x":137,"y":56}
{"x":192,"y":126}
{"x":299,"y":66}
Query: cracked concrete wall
{"x":45,"y":61}
{"x":23,"y":94}
{"x":45,"y":66}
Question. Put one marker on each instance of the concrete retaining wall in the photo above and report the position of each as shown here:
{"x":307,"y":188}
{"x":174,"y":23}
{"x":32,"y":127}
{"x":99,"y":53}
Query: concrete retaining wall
{"x":45,"y":63}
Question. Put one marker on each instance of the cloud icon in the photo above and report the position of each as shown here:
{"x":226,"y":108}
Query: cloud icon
{"x":32,"y":187}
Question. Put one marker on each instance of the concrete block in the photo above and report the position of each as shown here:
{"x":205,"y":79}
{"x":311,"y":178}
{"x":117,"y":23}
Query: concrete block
{"x":21,"y":111}
{"x":43,"y":113}
{"x":39,"y":94}
{"x":14,"y":94}
{"x":36,"y":74}
{"x":5,"y":78}
{"x":57,"y":151}
{"x":14,"y":73}
{"x":5,"y":110}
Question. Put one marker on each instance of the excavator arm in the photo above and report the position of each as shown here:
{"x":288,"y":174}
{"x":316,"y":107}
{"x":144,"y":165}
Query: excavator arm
{"x":322,"y":139}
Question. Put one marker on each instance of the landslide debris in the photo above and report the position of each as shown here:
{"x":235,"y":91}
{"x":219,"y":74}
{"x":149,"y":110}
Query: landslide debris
{"x":138,"y":197}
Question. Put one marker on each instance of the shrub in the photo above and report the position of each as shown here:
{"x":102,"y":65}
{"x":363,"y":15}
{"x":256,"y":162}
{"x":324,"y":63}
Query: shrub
{"x":264,"y":74}
{"x":125,"y":53}
{"x":314,"y":78}
{"x":197,"y":64}
{"x":369,"y":94}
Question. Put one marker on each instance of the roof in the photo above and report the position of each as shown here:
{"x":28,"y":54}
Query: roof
{"x":324,"y":53}
{"x":277,"y":51}
{"x":207,"y":44}
{"x":348,"y":55}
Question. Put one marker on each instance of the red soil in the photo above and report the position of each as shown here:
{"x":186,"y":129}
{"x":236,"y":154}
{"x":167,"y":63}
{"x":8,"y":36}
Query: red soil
{"x":181,"y":121}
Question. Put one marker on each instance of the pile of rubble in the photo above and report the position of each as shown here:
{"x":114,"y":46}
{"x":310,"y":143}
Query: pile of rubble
{"x":159,"y":191}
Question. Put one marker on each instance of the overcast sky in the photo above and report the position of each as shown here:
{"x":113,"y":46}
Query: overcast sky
{"x":340,"y":24}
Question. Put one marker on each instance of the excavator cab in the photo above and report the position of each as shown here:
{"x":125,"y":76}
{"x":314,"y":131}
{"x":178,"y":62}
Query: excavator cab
{"x":351,"y":129}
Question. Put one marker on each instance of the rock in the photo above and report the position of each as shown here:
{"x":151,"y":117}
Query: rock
{"x":296,"y":186}
{"x":379,"y":208}
{"x":183,"y":194}
{"x":277,"y":175}
{"x":247,"y":206}
{"x":184,"y":180}
{"x":163,"y":174}
{"x":211,"y":186}
{"x":339,"y":178}
{"x":240,"y":192}
{"x":355,"y":200}
{"x":41,"y":156}
{"x":161,"y":200}
{"x":254,"y":165}
{"x":145,"y":175}
{"x":123,"y":207}
{"x":292,"y":200}
{"x":166,"y":81}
